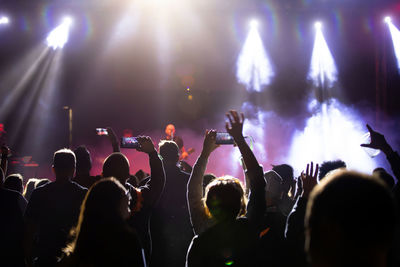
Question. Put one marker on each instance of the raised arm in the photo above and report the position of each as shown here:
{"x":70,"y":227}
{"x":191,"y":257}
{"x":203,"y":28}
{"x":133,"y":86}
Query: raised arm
{"x":255,"y":175}
{"x":113,"y":139}
{"x":152,"y":190}
{"x":200,"y":221}
{"x":378,"y":141}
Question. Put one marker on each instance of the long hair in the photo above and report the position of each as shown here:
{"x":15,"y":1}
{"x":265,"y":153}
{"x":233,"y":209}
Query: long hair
{"x":100,"y":213}
{"x":225,"y":199}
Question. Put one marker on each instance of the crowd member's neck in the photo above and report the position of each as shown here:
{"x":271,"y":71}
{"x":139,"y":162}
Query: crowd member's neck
{"x":82,"y":173}
{"x":63,"y":176}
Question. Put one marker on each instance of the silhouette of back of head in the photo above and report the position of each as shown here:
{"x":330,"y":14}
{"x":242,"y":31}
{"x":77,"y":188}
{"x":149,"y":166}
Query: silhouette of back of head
{"x":64,"y":163}
{"x":14,"y":182}
{"x":169,"y":152}
{"x":349,"y":221}
{"x":116,"y":165}
{"x":83,"y":159}
{"x":224,"y":198}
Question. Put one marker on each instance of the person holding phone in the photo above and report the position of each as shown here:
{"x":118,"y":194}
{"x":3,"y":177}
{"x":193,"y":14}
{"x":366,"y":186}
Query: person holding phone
{"x":227,"y":231}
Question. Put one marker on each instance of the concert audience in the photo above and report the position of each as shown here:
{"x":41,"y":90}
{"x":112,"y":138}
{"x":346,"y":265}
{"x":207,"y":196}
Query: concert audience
{"x":272,"y":237}
{"x":327,"y":166}
{"x":102,"y":236}
{"x":171,"y":231}
{"x":51,"y":212}
{"x":12,"y":207}
{"x":14,"y":182}
{"x":224,"y":236}
{"x":328,"y":217}
{"x":145,"y":197}
{"x":350,"y":221}
{"x":83,"y":167}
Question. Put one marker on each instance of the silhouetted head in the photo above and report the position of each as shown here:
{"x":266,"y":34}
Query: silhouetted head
{"x":274,"y":188}
{"x":328,"y":166}
{"x":382,"y":174}
{"x":105,"y":207}
{"x":169,"y":152}
{"x":207,"y":178}
{"x":225,"y":199}
{"x":14,"y":182}
{"x":350,"y":221}
{"x":83,"y":160}
{"x":64,"y":162}
{"x":285,"y":171}
{"x":116,"y":165}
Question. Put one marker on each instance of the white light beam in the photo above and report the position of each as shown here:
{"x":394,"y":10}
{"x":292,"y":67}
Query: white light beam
{"x":58,"y":37}
{"x":323,"y":71}
{"x":253,"y":65}
{"x":395,"y":33}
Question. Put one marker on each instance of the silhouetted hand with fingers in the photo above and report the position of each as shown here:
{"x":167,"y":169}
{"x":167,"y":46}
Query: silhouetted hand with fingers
{"x":235,"y":125}
{"x":378,"y":141}
{"x":309,"y":179}
{"x":146,"y":144}
{"x":209,"y":143}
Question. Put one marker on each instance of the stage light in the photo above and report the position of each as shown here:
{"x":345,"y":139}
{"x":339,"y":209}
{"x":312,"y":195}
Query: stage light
{"x":323,"y":71}
{"x":387,"y":19}
{"x":254,"y":23}
{"x":395,"y":33}
{"x":4,"y":20}
{"x":253,"y":67}
{"x":59,"y":36}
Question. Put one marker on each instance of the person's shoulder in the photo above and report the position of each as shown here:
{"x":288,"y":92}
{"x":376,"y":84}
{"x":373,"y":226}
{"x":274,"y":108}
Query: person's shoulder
{"x":78,"y":187}
{"x":7,"y":193}
{"x":44,"y":188}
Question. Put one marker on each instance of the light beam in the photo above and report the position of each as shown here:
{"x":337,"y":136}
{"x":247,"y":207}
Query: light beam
{"x":323,"y":71}
{"x":253,"y":65}
{"x":58,"y":37}
{"x":395,"y":33}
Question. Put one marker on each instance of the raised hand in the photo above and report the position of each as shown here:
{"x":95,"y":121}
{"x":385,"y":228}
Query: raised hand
{"x":209,"y":143}
{"x":146,"y":144}
{"x":235,"y":125}
{"x":113,"y":139}
{"x":378,"y":141}
{"x":309,"y":179}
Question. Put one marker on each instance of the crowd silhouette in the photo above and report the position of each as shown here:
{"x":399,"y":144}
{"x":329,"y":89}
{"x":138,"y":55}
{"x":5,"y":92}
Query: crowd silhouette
{"x":326,"y":216}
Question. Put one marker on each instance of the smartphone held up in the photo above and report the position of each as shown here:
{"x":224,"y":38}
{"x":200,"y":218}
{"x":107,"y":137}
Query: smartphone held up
{"x":129,"y":142}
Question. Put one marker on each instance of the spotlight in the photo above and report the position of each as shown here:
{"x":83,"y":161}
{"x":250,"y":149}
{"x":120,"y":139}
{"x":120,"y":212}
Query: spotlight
{"x":253,"y":66}
{"x":253,"y":23}
{"x":323,"y":71}
{"x":58,"y":37}
{"x":388,"y":19}
{"x":395,"y":33}
{"x":4,"y":20}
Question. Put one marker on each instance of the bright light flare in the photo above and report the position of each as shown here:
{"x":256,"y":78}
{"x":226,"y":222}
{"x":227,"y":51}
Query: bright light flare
{"x":4,"y":20}
{"x":387,"y":19}
{"x":254,"y":23}
{"x":323,"y":71}
{"x":333,"y":132}
{"x":59,"y":36}
{"x":395,"y":33}
{"x":253,"y":65}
